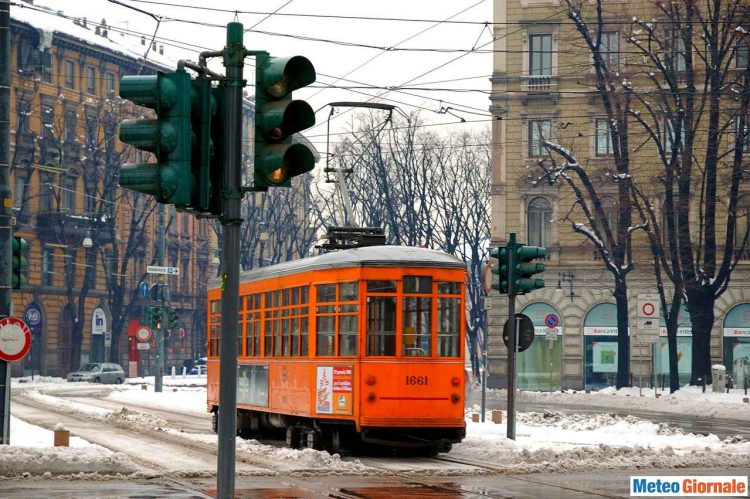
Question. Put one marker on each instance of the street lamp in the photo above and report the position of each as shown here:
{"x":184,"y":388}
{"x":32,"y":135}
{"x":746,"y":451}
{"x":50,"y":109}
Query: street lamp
{"x":87,"y":242}
{"x":563,"y":277}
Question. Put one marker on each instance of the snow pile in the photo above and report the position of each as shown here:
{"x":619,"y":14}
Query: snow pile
{"x":557,"y":442}
{"x":31,"y":453}
{"x":184,"y":399}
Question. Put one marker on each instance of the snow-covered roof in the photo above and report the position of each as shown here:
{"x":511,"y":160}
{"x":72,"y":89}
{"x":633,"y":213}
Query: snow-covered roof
{"x":370,"y":256}
{"x":50,"y":21}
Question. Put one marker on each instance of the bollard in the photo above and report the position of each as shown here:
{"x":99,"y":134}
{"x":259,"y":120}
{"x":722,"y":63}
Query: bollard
{"x":62,"y":436}
{"x":496,"y":416}
{"x":703,"y":383}
{"x":184,"y":371}
{"x":474,"y":417}
{"x":746,"y":400}
{"x":144,"y":386}
{"x":173,"y":372}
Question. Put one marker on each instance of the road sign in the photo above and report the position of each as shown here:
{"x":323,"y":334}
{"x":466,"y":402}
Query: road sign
{"x":648,"y":306}
{"x":487,"y":303}
{"x":143,"y":345}
{"x":486,"y":277}
{"x":525,"y":332}
{"x":15,"y":339}
{"x":551,"y":321}
{"x":143,"y":288}
{"x":143,"y":334}
{"x":155,"y":269}
{"x":647,"y":330}
{"x":107,"y":338}
{"x":551,"y":333}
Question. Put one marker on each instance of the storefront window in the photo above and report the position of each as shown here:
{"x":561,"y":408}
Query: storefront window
{"x":540,"y":366}
{"x":600,"y":345}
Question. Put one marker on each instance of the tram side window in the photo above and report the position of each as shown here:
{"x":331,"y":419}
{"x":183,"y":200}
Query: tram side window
{"x":325,"y":323}
{"x":417,"y":317}
{"x":252,"y":326}
{"x":214,"y":328}
{"x":448,"y":320}
{"x":348,"y":314}
{"x":381,"y":319}
{"x":304,"y":311}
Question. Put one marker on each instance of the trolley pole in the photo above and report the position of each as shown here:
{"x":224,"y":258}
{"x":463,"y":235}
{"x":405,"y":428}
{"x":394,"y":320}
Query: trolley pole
{"x":5,"y":207}
{"x":512,"y":341}
{"x":231,"y":222}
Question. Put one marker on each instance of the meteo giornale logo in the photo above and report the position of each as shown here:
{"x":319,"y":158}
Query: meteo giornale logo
{"x":695,"y":486}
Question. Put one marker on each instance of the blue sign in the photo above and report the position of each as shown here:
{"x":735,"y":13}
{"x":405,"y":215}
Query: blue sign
{"x":551,"y":320}
{"x":33,"y":318}
{"x":144,"y":289}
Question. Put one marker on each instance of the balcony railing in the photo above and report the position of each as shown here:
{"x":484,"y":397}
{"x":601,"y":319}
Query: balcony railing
{"x":539,"y":83}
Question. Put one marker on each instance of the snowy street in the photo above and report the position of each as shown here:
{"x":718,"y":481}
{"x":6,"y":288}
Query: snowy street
{"x":126,"y":432}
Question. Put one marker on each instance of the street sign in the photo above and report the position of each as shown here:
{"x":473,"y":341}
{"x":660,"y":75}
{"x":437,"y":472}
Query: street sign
{"x":144,"y":289}
{"x":107,"y":338}
{"x":143,"y":346}
{"x":648,"y":306}
{"x":647,"y":330}
{"x":143,"y":334}
{"x":15,"y":339}
{"x":525,"y":332}
{"x":551,"y":333}
{"x":551,"y":321}
{"x":487,"y":303}
{"x":155,"y":269}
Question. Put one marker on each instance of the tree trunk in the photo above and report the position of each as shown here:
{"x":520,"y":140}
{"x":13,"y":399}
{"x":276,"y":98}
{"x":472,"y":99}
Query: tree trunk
{"x":674,"y":374}
{"x":700,"y":304}
{"x":623,"y":340}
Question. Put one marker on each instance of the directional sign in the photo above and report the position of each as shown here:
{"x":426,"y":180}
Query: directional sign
{"x":154,"y":269}
{"x":144,"y":289}
{"x":15,"y":339}
{"x":143,"y":346}
{"x":648,"y":306}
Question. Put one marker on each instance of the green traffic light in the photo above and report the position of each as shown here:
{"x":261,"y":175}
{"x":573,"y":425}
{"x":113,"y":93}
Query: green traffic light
{"x":526,"y":268}
{"x":19,"y":262}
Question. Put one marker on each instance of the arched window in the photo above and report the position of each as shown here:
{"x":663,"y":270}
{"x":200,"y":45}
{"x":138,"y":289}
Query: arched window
{"x":538,"y":222}
{"x":611,"y":213}
{"x":741,"y":226}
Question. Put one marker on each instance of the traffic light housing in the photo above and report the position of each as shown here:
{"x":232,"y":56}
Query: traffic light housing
{"x":278,"y":117}
{"x":20,"y":262}
{"x":501,"y":269}
{"x":157,"y":319}
{"x":149,"y":319}
{"x":525,"y":268}
{"x":170,"y":137}
{"x":172,"y":318}
{"x":205,"y":132}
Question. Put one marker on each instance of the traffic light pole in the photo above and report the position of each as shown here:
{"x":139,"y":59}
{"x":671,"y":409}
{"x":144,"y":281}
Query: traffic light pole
{"x":159,"y":330}
{"x":231,"y":221}
{"x":5,"y":207}
{"x":512,"y":341}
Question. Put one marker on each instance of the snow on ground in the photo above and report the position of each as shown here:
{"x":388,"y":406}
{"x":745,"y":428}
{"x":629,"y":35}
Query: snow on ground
{"x":687,"y":400}
{"x":549,"y":442}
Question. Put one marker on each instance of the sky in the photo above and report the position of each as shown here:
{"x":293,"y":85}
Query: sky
{"x":446,"y":81}
{"x":550,"y":442}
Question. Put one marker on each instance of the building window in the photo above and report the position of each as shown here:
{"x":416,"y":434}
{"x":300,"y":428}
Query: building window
{"x":19,"y":190}
{"x":47,"y":66}
{"x":71,"y":122}
{"x":741,"y":54}
{"x":610,"y":49}
{"x":23,"y":110}
{"x":741,"y":227}
{"x":603,"y":138}
{"x":90,"y":80}
{"x":539,"y":131}
{"x":69,"y":185}
{"x":46,"y":184}
{"x":48,"y":266}
{"x":745,"y":132}
{"x":677,"y":61}
{"x":70,"y":76}
{"x":109,"y":79}
{"x":70,"y":267}
{"x":538,"y":222}
{"x":670,"y":137}
{"x":540,"y":55}
{"x":48,"y":120}
{"x":611,"y":213}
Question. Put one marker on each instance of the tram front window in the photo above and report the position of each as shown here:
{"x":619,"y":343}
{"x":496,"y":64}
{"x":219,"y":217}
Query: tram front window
{"x":381,"y":325}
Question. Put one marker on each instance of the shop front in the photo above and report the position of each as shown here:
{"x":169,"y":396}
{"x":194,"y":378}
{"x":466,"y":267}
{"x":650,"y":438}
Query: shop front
{"x":736,"y":343}
{"x":600,"y":346}
{"x":540,"y":366}
{"x":684,"y":350}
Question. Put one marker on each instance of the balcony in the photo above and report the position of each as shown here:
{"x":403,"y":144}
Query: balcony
{"x":539,"y":83}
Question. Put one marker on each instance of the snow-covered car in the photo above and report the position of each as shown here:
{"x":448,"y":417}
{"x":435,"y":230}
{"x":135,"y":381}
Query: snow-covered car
{"x":198,"y":369}
{"x":98,"y":372}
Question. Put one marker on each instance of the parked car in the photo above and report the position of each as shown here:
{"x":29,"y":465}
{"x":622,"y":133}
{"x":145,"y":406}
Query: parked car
{"x":99,"y":372}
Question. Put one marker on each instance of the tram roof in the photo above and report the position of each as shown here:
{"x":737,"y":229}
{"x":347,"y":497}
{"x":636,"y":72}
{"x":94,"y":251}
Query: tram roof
{"x":369,"y":256}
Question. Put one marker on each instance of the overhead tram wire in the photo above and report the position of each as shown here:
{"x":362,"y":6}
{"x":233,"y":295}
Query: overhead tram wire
{"x":390,"y":19}
{"x":268,"y":16}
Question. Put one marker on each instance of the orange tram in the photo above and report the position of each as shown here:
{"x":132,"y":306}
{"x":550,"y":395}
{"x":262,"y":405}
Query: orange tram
{"x":349,"y":349}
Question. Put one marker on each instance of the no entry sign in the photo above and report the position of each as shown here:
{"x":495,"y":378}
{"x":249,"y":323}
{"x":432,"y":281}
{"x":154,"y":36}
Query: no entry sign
{"x":15,"y":339}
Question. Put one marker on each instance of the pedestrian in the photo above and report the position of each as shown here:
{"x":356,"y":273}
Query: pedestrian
{"x":729,"y":384}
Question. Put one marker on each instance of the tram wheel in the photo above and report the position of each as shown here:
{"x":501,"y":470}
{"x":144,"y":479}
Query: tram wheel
{"x":293,"y":437}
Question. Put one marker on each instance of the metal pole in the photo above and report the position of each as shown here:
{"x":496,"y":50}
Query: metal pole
{"x":159,"y":332}
{"x":484,"y":371}
{"x":512,"y":340}
{"x":5,"y":206}
{"x":231,"y":222}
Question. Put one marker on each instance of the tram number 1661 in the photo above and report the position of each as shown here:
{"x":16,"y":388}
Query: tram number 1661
{"x":416,"y":380}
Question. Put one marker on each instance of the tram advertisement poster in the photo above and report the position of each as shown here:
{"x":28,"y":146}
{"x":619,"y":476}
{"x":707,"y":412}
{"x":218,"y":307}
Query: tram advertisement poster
{"x":333,"y":390}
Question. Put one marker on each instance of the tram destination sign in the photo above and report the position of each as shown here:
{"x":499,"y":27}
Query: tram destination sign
{"x":155,"y":269}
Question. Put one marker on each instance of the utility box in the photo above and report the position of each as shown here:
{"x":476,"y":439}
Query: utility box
{"x":741,"y":370}
{"x":719,"y":375}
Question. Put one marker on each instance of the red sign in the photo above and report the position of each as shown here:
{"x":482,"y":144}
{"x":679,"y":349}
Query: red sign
{"x":143,"y":334}
{"x":15,"y":339}
{"x":648,"y":309}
